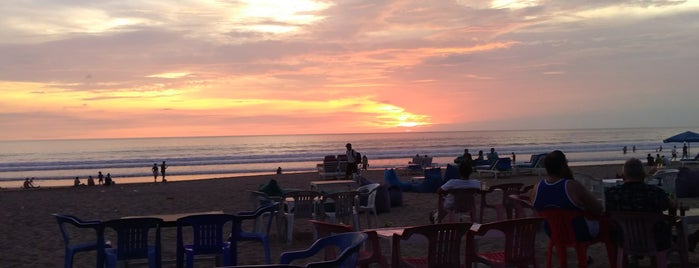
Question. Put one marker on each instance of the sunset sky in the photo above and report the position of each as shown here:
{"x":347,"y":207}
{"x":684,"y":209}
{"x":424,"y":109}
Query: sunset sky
{"x":133,"y":68}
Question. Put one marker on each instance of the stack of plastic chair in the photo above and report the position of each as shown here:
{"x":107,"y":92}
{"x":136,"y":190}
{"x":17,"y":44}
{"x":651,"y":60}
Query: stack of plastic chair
{"x":341,"y":207}
{"x":369,"y":192}
{"x":132,"y":236}
{"x":297,"y":205}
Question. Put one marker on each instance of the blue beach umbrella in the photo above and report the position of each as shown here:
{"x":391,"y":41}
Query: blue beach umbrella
{"x":687,"y":136}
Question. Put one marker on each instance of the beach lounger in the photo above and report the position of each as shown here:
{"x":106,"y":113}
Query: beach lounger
{"x":535,"y":165}
{"x":330,"y":168}
{"x":501,"y":166}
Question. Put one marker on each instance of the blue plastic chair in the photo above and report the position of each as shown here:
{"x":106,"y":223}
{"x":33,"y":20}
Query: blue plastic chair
{"x":239,"y":234}
{"x":207,"y":238}
{"x":348,"y":244}
{"x":132,"y":241}
{"x":71,"y":249}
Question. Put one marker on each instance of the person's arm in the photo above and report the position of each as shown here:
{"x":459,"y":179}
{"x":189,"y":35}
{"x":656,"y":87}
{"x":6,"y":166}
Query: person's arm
{"x":584,"y":198}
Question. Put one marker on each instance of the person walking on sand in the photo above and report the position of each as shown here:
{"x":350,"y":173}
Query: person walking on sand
{"x":163,"y":166}
{"x":100,"y":178}
{"x":155,"y":172}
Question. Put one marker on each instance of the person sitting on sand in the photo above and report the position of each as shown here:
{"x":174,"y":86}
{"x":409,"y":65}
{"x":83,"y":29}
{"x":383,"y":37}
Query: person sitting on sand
{"x":90,"y":181}
{"x":26,"y":184}
{"x":77,"y":182}
{"x":560,"y":190}
{"x":108,"y":180}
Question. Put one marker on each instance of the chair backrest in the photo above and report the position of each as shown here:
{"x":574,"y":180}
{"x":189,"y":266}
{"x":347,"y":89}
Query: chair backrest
{"x":207,"y":232}
{"x":345,"y":204}
{"x":133,"y":237}
{"x":258,"y":199}
{"x":64,"y":219}
{"x":444,"y":242}
{"x":305,"y":203}
{"x":503,"y":164}
{"x":639,"y":230}
{"x":270,"y":208}
{"x":325,"y":229}
{"x":464,"y":199}
{"x":348,"y":244}
{"x":520,"y":238}
{"x":560,"y":222}
{"x":369,"y":191}
{"x":507,"y":189}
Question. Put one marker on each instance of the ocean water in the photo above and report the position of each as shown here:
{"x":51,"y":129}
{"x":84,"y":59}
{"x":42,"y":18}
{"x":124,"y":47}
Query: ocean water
{"x":57,"y":162}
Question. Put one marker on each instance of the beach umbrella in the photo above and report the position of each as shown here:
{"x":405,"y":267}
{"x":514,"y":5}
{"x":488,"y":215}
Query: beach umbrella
{"x":687,"y":136}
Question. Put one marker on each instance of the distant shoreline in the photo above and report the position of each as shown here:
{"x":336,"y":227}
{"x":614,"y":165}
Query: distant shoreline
{"x":68,"y":183}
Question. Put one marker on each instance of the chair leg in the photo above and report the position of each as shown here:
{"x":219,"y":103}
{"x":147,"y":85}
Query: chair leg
{"x":265,"y":245}
{"x":582,"y":256}
{"x":290,"y":230}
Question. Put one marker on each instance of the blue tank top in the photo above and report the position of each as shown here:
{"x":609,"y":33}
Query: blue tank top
{"x":553,"y":195}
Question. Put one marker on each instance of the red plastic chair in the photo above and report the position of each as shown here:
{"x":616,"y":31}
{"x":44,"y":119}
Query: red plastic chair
{"x":443,"y":249}
{"x":519,"y":248}
{"x":638,"y":235}
{"x":506,"y":206}
{"x":371,"y":253}
{"x":464,"y":202}
{"x":563,"y":236}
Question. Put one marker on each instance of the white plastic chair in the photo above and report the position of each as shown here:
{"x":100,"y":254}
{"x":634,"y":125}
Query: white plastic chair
{"x":369,"y":191}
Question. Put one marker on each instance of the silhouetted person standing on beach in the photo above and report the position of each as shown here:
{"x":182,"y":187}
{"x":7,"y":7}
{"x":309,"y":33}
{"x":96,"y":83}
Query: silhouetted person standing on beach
{"x":163,"y":166}
{"x":685,"y":153}
{"x":155,"y":172}
{"x":351,"y":161}
{"x":100,"y":178}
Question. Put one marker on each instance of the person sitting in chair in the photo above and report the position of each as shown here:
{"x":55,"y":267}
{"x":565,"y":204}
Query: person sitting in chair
{"x":464,"y":182}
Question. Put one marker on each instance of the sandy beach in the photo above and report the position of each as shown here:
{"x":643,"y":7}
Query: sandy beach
{"x":31,"y":238}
